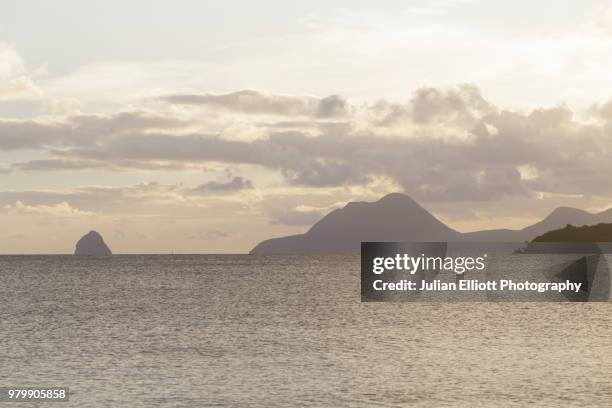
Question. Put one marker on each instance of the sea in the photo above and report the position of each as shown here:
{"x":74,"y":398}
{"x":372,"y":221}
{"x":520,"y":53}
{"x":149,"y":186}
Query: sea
{"x":282,"y":331}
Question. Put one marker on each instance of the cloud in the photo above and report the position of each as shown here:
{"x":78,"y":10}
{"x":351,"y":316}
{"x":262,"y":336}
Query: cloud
{"x":235,"y":184}
{"x":139,"y":200}
{"x":325,"y":173}
{"x":62,"y":209}
{"x":81,"y":130}
{"x":11,"y":63}
{"x":118,"y":165}
{"x":428,"y":168}
{"x":443,"y":145}
{"x":14,"y":83}
{"x":464,"y":103}
{"x":331,"y":106}
{"x":57,"y":164}
{"x":18,"y":88}
{"x":259,"y":103}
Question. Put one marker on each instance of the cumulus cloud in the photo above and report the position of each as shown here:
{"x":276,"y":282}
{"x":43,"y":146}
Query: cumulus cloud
{"x":18,"y":88}
{"x":14,"y":83}
{"x":428,"y":169}
{"x":260,"y":103}
{"x":481,"y":156}
{"x":437,"y":113}
{"x":331,"y":106}
{"x":462,"y":103}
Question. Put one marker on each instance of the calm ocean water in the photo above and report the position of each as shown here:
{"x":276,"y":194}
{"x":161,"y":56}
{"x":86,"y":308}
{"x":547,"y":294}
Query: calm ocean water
{"x":199,"y":331}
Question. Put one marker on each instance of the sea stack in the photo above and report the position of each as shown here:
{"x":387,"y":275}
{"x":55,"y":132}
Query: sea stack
{"x":92,"y":244}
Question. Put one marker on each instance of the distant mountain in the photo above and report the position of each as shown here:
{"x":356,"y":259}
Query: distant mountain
{"x":593,"y":233}
{"x":556,"y":219}
{"x":397,"y":217}
{"x":92,"y":244}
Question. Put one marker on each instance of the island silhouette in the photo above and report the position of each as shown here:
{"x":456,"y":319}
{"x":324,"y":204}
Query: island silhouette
{"x":601,"y":232}
{"x":396,"y":217}
{"x":92,"y":244}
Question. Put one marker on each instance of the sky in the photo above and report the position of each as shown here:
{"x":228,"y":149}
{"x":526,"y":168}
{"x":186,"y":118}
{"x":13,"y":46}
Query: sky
{"x":206,"y":127}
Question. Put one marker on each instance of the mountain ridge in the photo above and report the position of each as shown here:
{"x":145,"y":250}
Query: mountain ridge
{"x":398,"y":217}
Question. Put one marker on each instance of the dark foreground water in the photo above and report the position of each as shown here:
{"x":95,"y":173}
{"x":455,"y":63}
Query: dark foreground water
{"x":199,"y":331}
